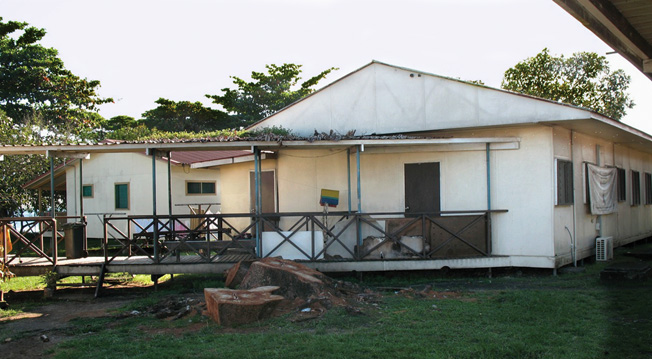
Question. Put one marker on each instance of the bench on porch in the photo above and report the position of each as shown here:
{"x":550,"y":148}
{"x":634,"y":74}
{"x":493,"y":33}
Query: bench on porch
{"x":244,"y":245}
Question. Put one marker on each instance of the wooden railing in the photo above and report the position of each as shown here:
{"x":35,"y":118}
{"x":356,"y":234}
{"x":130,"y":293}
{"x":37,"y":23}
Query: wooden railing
{"x":308,"y":236}
{"x":33,"y":237}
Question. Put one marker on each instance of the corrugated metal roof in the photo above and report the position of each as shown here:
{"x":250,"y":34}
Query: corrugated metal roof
{"x":190,"y":157}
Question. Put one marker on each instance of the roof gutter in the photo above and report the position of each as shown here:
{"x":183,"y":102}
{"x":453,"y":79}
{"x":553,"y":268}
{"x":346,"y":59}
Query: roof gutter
{"x":76,"y":150}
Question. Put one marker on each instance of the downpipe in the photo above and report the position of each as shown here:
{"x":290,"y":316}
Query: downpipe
{"x":572,"y":246}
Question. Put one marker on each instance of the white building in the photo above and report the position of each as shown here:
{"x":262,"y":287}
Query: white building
{"x":497,"y":150}
{"x":501,"y":177}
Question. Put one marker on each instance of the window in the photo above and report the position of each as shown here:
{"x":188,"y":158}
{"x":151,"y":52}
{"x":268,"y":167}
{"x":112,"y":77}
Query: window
{"x":200,"y":187}
{"x":648,"y":188}
{"x":87,"y":191}
{"x":122,"y":196}
{"x":636,"y":188}
{"x":621,"y":180}
{"x":564,"y":182}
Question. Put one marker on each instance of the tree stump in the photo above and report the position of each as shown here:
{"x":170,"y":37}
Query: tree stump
{"x":236,"y":274}
{"x":229,"y":307}
{"x":295,"y":280}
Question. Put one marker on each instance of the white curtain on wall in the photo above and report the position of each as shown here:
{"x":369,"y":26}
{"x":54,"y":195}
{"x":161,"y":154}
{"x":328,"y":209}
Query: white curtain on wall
{"x":602,"y":189}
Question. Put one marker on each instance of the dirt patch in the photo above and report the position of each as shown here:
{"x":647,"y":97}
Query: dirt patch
{"x":36,"y":332}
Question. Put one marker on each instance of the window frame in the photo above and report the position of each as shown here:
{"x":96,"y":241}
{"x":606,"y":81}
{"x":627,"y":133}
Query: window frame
{"x":201,"y":188}
{"x":115,"y":195}
{"x":636,"y":188}
{"x":621,"y":183}
{"x":92,"y":190}
{"x":647,"y":178}
{"x":564,"y":191}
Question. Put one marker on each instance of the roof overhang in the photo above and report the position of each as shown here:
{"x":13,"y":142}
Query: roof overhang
{"x":608,"y":130}
{"x":229,"y":161}
{"x":43,"y":181}
{"x":246,"y":145}
{"x":624,"y":25}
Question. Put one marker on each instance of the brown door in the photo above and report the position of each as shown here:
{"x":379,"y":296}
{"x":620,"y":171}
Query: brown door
{"x":422,"y":187}
{"x":267,"y":190}
{"x":268,"y":194}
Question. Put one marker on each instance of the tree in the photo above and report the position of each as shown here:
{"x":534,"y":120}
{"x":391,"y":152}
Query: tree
{"x":17,"y":170}
{"x":185,"y":116}
{"x":583,"y":79}
{"x":267,"y":93}
{"x":36,"y":88}
{"x":121,"y":121}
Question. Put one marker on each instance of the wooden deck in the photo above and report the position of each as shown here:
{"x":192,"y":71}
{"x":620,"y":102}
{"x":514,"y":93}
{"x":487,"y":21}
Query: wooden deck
{"x":135,"y":265}
{"x":30,"y":266}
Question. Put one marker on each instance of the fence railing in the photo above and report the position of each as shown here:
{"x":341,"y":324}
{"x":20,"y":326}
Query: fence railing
{"x":308,"y":236}
{"x":33,"y":237}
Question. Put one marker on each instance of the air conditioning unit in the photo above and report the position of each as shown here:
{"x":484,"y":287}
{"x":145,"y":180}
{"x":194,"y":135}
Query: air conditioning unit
{"x":604,"y":248}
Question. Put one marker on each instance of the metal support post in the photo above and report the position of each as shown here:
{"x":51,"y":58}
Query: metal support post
{"x":257,"y":202}
{"x":155,"y":218}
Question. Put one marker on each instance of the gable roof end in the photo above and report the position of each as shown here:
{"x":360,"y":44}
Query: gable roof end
{"x":385,"y":99}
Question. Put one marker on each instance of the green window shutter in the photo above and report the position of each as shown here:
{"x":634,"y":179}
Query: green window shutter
{"x":121,"y":196}
{"x":208,"y":188}
{"x":87,"y":191}
{"x":193,"y":187}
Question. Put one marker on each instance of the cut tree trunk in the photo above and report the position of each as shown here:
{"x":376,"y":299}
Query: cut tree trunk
{"x":236,"y":274}
{"x":229,"y":307}
{"x":294,"y":279}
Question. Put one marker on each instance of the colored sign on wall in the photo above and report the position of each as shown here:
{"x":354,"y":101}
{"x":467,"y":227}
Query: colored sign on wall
{"x":329,"y":197}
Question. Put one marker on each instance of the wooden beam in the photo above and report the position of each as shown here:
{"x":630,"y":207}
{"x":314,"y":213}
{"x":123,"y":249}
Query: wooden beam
{"x":69,"y":154}
{"x":609,"y":10}
{"x":647,"y":66}
{"x":604,"y":20}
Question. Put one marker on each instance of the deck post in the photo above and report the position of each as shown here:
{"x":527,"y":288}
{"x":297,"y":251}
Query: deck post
{"x":257,"y":200}
{"x":81,"y":188}
{"x":357,"y":157}
{"x":598,"y":162}
{"x":154,"y":219}
{"x":488,"y":213}
{"x":170,"y":185}
{"x":358,"y":222}
{"x":488,"y":154}
{"x":82,"y":218}
{"x":52,"y":202}
{"x":348,"y":174}
{"x":53,"y":243}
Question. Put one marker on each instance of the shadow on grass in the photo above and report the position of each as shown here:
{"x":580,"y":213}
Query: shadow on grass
{"x":629,"y":311}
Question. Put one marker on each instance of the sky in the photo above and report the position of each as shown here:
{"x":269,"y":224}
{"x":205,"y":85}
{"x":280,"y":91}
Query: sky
{"x":141,"y":50}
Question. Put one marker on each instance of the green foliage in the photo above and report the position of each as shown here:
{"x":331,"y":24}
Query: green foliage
{"x":130,"y":133}
{"x":50,"y":279}
{"x":267,"y":93}
{"x":164,"y":135}
{"x":188,"y":116}
{"x":583,"y":79}
{"x":119,"y":122}
{"x":36,"y":88}
{"x":143,"y":133}
{"x":41,"y":102}
{"x":15,"y":171}
{"x":274,"y":130}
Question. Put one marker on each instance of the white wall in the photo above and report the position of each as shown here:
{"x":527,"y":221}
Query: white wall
{"x":520,"y":183}
{"x":382,"y":99}
{"x":104,"y":170}
{"x":630,"y":223}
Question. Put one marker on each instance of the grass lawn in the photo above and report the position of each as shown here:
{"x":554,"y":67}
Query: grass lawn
{"x":513,"y":315}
